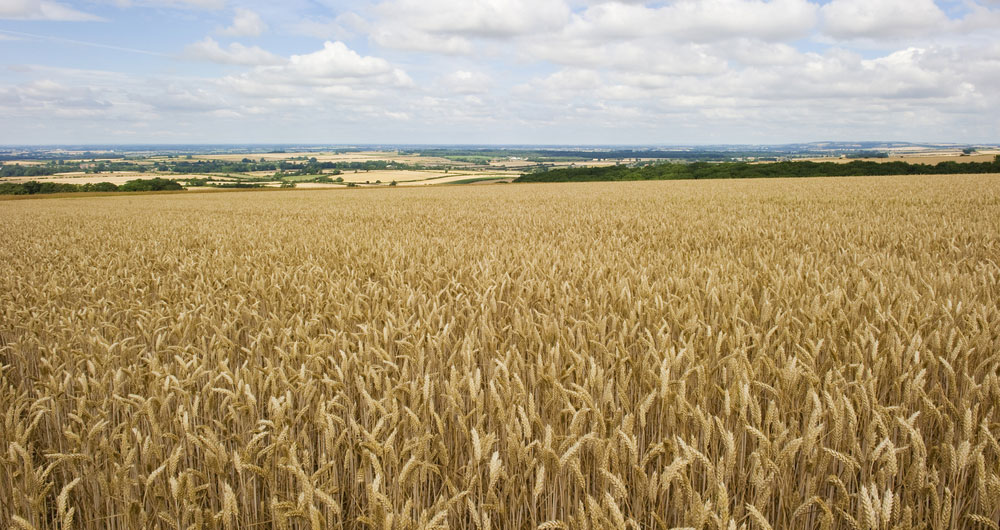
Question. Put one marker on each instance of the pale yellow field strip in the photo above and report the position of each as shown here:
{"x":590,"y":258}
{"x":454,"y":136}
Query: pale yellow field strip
{"x":455,"y":178}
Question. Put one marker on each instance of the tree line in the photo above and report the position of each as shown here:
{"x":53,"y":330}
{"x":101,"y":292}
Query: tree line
{"x":705,"y":170}
{"x":52,"y":168}
{"x":34,"y":187}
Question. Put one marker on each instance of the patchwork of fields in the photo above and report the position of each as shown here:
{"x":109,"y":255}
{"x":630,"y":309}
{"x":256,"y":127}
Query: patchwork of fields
{"x":793,"y":353}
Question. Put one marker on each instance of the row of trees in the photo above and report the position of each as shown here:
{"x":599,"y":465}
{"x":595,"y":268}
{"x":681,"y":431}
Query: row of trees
{"x":52,"y":168}
{"x":17,"y":170}
{"x":705,"y":170}
{"x":33,"y":187}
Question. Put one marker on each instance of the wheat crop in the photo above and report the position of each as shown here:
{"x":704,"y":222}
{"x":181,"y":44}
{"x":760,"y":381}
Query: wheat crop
{"x":818,"y":353}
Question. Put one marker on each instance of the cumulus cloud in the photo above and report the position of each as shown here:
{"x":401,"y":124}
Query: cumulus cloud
{"x":335,"y":71}
{"x":440,"y":26}
{"x":44,"y":10}
{"x":336,"y":60}
{"x":409,"y":39}
{"x":436,"y":26}
{"x":879,"y":19}
{"x":684,"y":37}
{"x":698,"y":20}
{"x":878,"y":96}
{"x":209,"y":49}
{"x":477,"y":18}
{"x":246,"y":23}
{"x":562,"y":84}
{"x":466,"y":82}
{"x":646,"y":56}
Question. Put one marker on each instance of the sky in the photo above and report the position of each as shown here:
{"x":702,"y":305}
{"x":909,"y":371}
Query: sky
{"x":675,"y":72}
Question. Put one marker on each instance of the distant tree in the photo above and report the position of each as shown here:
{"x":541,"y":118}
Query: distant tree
{"x":104,"y":186}
{"x":156,"y":184}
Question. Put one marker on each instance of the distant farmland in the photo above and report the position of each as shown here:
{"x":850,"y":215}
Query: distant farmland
{"x":737,"y":170}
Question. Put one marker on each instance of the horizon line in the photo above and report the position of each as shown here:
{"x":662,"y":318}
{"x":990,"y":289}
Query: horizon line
{"x":446,"y":144}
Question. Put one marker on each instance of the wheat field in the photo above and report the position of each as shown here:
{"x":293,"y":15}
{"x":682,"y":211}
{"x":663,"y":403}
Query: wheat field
{"x":815,"y":353}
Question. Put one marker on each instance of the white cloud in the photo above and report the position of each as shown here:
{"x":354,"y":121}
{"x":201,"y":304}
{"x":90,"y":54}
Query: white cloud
{"x":44,"y":10}
{"x":402,"y":38}
{"x":246,"y":23}
{"x":441,"y":26}
{"x":980,"y":18}
{"x":337,"y":61}
{"x":477,"y":18}
{"x":646,"y":56}
{"x":685,"y":37}
{"x":868,"y":96}
{"x":566,"y":84}
{"x":880,"y":19}
{"x":466,"y":82}
{"x":210,"y":50}
{"x":179,"y":97}
{"x":757,"y":53}
{"x":697,"y":20}
{"x":334,"y":72}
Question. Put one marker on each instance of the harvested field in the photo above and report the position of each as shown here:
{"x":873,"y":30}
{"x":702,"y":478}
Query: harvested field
{"x":793,"y":353}
{"x":453,"y":178}
{"x":418,"y":177}
{"x":318,"y":185}
{"x":388,"y":175}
